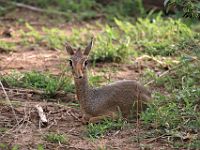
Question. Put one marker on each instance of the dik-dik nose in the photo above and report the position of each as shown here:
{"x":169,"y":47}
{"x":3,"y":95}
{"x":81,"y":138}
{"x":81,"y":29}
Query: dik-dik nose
{"x":80,"y":77}
{"x":79,"y":74}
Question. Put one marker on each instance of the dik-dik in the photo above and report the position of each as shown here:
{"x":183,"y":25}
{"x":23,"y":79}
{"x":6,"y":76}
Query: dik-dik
{"x":106,"y":101}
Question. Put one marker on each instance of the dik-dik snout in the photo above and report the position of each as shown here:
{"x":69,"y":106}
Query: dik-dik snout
{"x":79,"y":60}
{"x":78,"y":67}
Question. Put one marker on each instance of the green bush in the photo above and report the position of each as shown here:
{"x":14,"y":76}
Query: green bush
{"x":49,"y":83}
{"x":87,"y":9}
{"x":177,"y":113}
{"x":51,"y":38}
{"x":156,"y":36}
{"x":110,"y":47}
{"x":117,"y":43}
{"x":7,"y":46}
{"x":98,"y":130}
{"x":189,"y":8}
{"x":56,"y":138}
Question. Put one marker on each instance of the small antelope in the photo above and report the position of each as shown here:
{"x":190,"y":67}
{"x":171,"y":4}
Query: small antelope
{"x":104,"y":102}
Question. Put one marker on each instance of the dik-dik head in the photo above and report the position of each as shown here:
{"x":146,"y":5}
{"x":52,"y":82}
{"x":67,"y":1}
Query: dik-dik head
{"x":79,"y":59}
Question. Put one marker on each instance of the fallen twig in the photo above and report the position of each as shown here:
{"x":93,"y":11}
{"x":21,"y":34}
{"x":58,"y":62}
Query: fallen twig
{"x":30,"y":92}
{"x":43,"y":120}
{"x":147,"y":57}
{"x":156,"y":138}
{"x":9,"y":102}
{"x":170,"y":70}
{"x":32,"y":8}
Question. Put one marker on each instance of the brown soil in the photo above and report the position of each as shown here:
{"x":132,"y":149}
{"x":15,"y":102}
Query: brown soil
{"x":63,"y":117}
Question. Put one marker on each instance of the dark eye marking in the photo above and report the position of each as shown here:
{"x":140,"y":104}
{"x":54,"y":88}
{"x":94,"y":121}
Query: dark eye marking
{"x":70,"y":62}
{"x":86,"y":62}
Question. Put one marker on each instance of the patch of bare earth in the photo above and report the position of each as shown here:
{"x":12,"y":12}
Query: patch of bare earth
{"x":27,"y":134}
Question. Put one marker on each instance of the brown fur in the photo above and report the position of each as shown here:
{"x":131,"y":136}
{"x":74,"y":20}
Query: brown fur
{"x":99,"y":103}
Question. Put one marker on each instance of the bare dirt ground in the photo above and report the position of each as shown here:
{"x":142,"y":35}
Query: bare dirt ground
{"x":63,"y":118}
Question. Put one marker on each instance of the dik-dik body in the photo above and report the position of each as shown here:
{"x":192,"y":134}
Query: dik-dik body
{"x":99,"y":103}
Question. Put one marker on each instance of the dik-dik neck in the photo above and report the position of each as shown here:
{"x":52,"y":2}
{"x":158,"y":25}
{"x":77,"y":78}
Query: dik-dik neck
{"x":82,"y":89}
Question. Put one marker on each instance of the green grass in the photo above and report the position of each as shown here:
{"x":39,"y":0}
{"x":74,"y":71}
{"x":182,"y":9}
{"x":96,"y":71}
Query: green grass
{"x":157,"y":37}
{"x":40,"y":147}
{"x":79,"y":10}
{"x":96,"y":81}
{"x":56,"y":138}
{"x":36,"y":80}
{"x":3,"y":146}
{"x":123,"y":39}
{"x":15,"y":147}
{"x":7,"y":47}
{"x":3,"y":130}
{"x":51,"y":38}
{"x":106,"y":126}
{"x":177,"y":114}
{"x":45,"y":81}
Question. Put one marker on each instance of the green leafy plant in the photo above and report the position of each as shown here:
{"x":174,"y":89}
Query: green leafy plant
{"x":50,"y":84}
{"x":190,"y":8}
{"x":109,"y":47}
{"x":117,"y":43}
{"x":3,"y":146}
{"x":7,"y":46}
{"x":31,"y":36}
{"x":54,"y":38}
{"x":40,"y":147}
{"x":98,"y":130}
{"x":89,"y":9}
{"x":157,"y":37}
{"x":56,"y":138}
{"x":15,"y":147}
{"x":177,"y":114}
{"x":51,"y":38}
{"x":95,"y":80}
{"x":125,"y":8}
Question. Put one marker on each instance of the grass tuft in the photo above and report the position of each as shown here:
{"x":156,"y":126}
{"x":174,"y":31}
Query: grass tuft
{"x":177,"y":115}
{"x":100,"y":129}
{"x":56,"y":138}
{"x":117,"y":43}
{"x":36,"y":80}
{"x":6,"y":47}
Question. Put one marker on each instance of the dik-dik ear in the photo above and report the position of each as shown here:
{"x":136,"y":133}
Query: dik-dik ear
{"x":69,"y":49}
{"x":89,"y":47}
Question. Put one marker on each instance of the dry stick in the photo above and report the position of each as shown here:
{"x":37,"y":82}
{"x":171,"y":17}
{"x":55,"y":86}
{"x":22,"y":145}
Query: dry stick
{"x":17,"y":90}
{"x":4,"y":67}
{"x":166,"y":72}
{"x":138,"y":123}
{"x":156,"y":138}
{"x":43,"y":120}
{"x":9,"y":102}
{"x":32,"y":8}
{"x":22,"y":123}
{"x":31,"y":91}
{"x":163,"y":74}
{"x":7,"y":132}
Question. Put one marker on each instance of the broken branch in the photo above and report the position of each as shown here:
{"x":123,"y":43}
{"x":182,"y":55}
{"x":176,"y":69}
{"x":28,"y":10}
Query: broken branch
{"x":43,"y":120}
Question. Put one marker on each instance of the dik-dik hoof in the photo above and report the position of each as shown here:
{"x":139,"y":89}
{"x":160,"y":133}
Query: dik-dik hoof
{"x":95,"y":120}
{"x":84,"y":122}
{"x":85,"y":119}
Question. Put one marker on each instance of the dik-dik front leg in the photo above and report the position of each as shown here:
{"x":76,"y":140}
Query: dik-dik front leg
{"x":97,"y":119}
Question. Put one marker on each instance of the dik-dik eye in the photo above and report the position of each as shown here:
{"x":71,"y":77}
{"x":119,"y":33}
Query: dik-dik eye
{"x":86,"y":63}
{"x":70,"y":62}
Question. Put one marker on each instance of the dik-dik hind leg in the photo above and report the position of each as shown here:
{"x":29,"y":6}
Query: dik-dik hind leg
{"x":98,"y":119}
